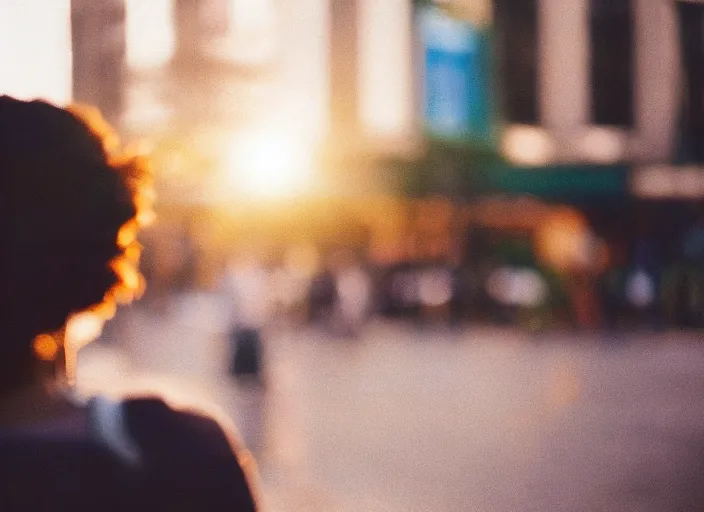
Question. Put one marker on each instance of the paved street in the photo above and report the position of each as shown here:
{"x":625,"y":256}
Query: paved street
{"x":407,"y":420}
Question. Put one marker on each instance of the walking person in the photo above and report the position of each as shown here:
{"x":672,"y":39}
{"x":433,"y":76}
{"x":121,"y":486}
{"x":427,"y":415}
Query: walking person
{"x":248,"y":287}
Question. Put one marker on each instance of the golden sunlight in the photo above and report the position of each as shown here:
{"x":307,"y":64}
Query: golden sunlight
{"x":269,"y":164}
{"x":83,"y":328}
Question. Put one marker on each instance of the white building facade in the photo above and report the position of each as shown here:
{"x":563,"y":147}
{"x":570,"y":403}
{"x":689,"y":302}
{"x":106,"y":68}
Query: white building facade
{"x":564,"y":98}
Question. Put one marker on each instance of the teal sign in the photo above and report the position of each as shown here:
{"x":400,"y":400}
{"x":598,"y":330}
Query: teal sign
{"x":457,"y":77}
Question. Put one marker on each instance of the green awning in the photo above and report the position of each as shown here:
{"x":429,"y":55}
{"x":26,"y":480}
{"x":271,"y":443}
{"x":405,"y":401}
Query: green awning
{"x":558,"y":182}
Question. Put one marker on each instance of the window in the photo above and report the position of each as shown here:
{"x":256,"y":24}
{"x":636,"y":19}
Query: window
{"x":612,"y":63}
{"x":516,"y":24}
{"x":691,"y":21}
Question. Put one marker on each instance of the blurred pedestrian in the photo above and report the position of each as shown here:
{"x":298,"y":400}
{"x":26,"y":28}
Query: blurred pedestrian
{"x":645,"y":279}
{"x":435,"y":293}
{"x":353,"y":290}
{"x":322,"y":297}
{"x":249,"y":288}
{"x":69,"y":211}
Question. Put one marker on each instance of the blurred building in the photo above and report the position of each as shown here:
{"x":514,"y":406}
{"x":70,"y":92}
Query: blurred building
{"x":589,"y":102}
{"x":372,"y":76}
{"x":589,"y":80}
{"x":549,"y":82}
{"x":594,"y":103}
{"x":578,"y":82}
{"x":586,"y":104}
{"x":265,"y":71}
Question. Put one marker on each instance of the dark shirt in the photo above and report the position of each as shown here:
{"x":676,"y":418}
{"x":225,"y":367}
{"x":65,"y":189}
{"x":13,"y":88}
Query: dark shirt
{"x":187,"y":463}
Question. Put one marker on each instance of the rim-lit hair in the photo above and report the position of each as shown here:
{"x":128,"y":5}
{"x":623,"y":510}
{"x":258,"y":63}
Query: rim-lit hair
{"x":135,"y":172}
{"x":71,"y":203}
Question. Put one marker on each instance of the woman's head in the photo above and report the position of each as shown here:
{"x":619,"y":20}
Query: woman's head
{"x":68,"y":205}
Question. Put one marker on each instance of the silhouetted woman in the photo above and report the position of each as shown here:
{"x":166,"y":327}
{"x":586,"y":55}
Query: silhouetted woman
{"x":70,"y":206}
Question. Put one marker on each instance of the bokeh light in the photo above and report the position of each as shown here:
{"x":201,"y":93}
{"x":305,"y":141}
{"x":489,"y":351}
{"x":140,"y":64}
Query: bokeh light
{"x":269,"y":164}
{"x":528,"y":145}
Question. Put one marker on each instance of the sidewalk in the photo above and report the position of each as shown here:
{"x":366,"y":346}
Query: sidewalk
{"x":182,"y":356}
{"x":417,"y":420}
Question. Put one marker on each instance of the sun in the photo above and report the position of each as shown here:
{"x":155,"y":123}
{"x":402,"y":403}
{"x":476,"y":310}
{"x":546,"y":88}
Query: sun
{"x":268,"y":164}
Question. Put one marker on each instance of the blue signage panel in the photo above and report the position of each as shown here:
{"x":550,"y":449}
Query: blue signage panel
{"x":456,"y":77}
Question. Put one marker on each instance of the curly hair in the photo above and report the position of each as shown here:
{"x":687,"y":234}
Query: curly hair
{"x":69,"y":210}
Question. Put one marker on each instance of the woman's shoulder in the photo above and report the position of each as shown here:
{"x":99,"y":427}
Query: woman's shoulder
{"x":156,"y":424}
{"x":194,"y":445}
